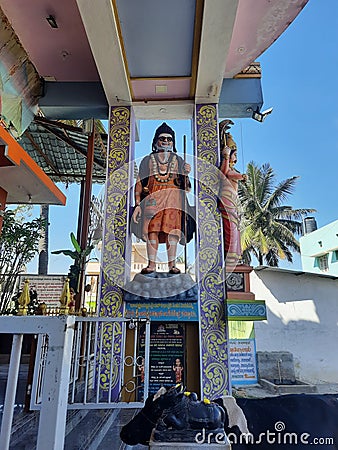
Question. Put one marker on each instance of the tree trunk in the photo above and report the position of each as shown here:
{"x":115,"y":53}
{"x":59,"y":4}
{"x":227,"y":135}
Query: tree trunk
{"x":260,"y":259}
{"x":43,"y":241}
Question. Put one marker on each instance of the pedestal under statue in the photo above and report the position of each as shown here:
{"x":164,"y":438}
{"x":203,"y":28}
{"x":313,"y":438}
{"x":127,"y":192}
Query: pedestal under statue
{"x":161,"y":287}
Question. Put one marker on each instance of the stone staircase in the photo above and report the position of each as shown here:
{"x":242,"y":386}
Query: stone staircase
{"x":85,"y":429}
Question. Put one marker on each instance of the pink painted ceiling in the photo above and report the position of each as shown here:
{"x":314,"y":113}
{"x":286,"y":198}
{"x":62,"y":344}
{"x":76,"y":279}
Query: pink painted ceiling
{"x":64,"y":53}
{"x":258,"y":24}
{"x":161,"y":88}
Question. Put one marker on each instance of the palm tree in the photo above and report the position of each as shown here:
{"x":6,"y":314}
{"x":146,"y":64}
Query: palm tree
{"x":268,"y":227}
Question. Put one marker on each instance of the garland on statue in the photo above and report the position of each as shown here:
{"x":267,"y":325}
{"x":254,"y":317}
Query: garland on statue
{"x":163,"y":177}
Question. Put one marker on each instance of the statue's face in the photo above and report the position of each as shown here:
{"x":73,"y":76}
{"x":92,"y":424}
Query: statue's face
{"x":233,"y":157}
{"x":165,"y":142}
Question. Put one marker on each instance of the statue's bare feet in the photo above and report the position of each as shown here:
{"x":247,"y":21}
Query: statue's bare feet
{"x":174,"y":270}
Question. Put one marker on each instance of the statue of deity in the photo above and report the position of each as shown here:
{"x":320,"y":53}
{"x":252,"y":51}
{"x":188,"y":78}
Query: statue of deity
{"x":228,"y":197}
{"x":159,"y":198}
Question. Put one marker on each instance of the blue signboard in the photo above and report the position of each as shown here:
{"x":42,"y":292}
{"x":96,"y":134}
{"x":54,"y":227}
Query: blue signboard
{"x":243,"y":361}
{"x":170,"y":311}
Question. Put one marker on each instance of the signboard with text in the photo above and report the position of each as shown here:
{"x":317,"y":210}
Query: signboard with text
{"x":47,"y":287}
{"x":167,"y":355}
{"x":173,"y":311}
{"x":243,"y":361}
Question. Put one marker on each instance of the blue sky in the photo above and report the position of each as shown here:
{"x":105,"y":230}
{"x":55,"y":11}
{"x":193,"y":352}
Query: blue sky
{"x":300,"y":137}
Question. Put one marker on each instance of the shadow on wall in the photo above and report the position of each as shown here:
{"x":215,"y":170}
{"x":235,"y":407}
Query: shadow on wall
{"x":302,"y":313}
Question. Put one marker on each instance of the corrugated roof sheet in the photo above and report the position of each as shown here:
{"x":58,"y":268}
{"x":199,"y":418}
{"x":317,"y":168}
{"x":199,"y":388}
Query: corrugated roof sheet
{"x":61,"y":150}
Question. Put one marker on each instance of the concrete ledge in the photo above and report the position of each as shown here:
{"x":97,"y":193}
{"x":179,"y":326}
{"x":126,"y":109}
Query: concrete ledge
{"x":202,"y":438}
{"x":297,"y":387}
{"x":184,"y":445}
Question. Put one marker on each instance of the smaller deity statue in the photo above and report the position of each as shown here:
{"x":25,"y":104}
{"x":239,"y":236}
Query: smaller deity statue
{"x":229,"y":204}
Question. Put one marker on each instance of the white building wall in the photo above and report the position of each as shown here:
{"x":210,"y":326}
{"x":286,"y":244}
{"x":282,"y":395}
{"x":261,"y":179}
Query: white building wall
{"x":302,"y":318}
{"x":320,"y":244}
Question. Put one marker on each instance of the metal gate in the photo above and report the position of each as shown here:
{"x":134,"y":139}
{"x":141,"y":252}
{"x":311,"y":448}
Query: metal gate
{"x":98,"y":363}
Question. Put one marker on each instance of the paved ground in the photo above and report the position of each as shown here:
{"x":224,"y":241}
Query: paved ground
{"x":21,"y":389}
{"x":112,"y":439}
{"x":108,"y":436}
{"x":256,"y":390}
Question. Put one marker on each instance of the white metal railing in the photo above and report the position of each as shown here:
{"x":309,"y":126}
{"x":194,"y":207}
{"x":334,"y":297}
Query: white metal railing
{"x":94,"y":357}
{"x":52,"y":419}
{"x":80,"y":363}
{"x":160,"y":267}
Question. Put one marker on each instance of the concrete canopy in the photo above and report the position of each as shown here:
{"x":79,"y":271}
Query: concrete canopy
{"x":160,"y":56}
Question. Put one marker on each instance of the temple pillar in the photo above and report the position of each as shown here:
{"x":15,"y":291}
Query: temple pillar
{"x":116,"y":245}
{"x":214,"y":360}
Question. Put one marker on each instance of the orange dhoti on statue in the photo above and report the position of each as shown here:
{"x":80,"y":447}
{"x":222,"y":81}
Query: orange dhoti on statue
{"x":162,"y":209}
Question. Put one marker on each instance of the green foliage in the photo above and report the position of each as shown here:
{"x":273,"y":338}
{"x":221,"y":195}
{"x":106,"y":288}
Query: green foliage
{"x":99,"y":127}
{"x":268,"y":227}
{"x":18,"y":245}
{"x":80,"y":257}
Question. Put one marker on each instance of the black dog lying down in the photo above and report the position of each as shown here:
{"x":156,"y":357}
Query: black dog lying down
{"x":287,"y":421}
{"x":170,"y":412}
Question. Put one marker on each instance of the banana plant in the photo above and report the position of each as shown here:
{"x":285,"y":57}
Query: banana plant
{"x":80,"y":257}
